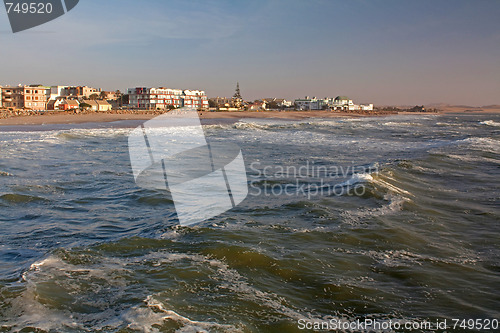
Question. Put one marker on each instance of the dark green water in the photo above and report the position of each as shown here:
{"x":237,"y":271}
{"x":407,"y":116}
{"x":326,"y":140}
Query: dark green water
{"x":83,"y":249}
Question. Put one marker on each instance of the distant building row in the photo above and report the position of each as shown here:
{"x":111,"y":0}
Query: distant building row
{"x":342,"y":103}
{"x":165,"y":98}
{"x":37,"y":97}
{"x":234,"y":104}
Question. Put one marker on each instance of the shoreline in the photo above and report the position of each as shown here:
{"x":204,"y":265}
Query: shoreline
{"x":107,"y":117}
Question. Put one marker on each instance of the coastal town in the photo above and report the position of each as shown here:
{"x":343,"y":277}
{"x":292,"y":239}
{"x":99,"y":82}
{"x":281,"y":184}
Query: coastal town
{"x":36,"y":98}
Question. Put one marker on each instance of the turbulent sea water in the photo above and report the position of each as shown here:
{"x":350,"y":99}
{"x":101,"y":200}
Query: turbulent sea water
{"x":83,"y":249}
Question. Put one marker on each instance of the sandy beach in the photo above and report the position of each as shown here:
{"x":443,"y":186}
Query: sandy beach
{"x":101,"y":117}
{"x":71,"y":118}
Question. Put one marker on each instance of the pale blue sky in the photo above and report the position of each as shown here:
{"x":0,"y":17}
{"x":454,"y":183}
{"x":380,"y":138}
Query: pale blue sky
{"x":386,"y":52}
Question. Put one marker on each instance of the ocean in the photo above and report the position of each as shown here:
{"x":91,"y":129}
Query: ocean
{"x":392,"y":219}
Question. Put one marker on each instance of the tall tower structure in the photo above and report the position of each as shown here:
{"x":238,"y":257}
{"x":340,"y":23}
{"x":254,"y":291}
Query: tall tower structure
{"x":237,"y":99}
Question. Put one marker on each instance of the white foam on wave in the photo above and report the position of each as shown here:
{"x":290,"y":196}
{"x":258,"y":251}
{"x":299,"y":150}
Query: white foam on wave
{"x":33,"y":307}
{"x":402,"y":124}
{"x":264,"y":124}
{"x":395,"y":198}
{"x":100,"y":285}
{"x":250,"y":125}
{"x":232,"y":280}
{"x":396,"y":258}
{"x":391,"y":187}
{"x":26,"y":139}
{"x":473,"y":159}
{"x":485,"y":144}
{"x":490,"y":123}
{"x":27,"y":311}
{"x":405,"y":258}
{"x":394,"y":204}
{"x":358,"y":178}
{"x":448,"y":124}
{"x":228,"y":279}
{"x":145,"y":318}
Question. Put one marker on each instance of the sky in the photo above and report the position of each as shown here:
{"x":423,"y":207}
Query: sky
{"x":387,"y":52}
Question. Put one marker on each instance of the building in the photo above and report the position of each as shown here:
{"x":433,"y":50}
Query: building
{"x":367,"y":107}
{"x":13,"y":97}
{"x":195,"y":98}
{"x":257,"y":106}
{"x":36,"y":97}
{"x":80,"y":91}
{"x":165,"y":98}
{"x":344,"y":103}
{"x":278,"y":102}
{"x":97,"y":105}
{"x":93,"y":104}
{"x":25,"y":97}
{"x":154,"y":98}
{"x":110,"y":95}
{"x":341,"y":103}
{"x":55,"y":97}
{"x":69,"y":104}
{"x":57,"y":91}
{"x":283,"y":103}
{"x":308,"y":103}
{"x":53,"y":104}
{"x":220,"y":102}
{"x":7,"y":98}
{"x":1,"y":105}
{"x":103,"y":105}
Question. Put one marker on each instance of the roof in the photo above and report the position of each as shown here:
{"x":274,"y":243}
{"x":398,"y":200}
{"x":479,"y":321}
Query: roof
{"x":90,"y":102}
{"x":72,"y":102}
{"x":342,"y":98}
{"x":102,"y":102}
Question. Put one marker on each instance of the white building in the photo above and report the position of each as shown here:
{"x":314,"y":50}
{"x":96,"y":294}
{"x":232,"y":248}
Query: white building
{"x":162,"y":98}
{"x":195,"y":98}
{"x":343,"y":103}
{"x":258,"y":106}
{"x":346,"y":104}
{"x":308,"y":103}
{"x":284,"y":103}
{"x":56,"y":91}
{"x":280,"y":102}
